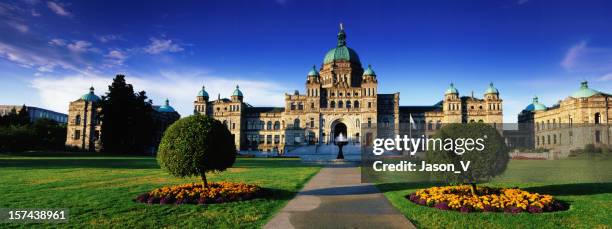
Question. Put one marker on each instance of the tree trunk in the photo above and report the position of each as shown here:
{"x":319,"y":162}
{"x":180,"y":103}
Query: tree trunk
{"x":204,"y":183}
{"x":473,"y":188}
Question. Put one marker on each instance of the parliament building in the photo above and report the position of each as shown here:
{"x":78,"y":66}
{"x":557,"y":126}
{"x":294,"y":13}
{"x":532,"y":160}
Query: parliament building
{"x":340,"y":97}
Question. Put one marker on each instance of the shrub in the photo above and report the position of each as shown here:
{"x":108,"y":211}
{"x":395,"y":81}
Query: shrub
{"x":484,"y":165}
{"x":220,"y":192}
{"x":195,"y":145}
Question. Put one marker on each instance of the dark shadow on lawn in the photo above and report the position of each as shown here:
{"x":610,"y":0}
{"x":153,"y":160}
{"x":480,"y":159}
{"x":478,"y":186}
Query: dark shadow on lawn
{"x":572,"y":189}
{"x":58,"y":163}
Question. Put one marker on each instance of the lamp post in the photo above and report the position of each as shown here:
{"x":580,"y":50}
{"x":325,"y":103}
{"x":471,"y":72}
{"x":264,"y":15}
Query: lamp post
{"x":340,"y":142}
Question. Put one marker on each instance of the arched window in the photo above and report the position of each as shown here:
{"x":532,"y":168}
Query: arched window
{"x":356,"y":104}
{"x":277,"y":125}
{"x":269,"y":125}
{"x":438,"y":124}
{"x":332,"y":104}
{"x":296,"y":123}
{"x":430,"y":125}
{"x":77,"y":120}
{"x":261,"y":125}
{"x":339,"y":104}
{"x":597,"y":118}
{"x":348,"y":104}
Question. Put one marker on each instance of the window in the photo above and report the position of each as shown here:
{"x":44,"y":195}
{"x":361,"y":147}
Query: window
{"x":292,"y":106}
{"x":233,"y":126}
{"x":77,"y":134}
{"x":597,"y":118}
{"x":268,"y":139}
{"x":430,"y":125}
{"x":369,"y":122}
{"x":332,"y":104}
{"x":300,"y":106}
{"x":261,"y":139}
{"x":77,"y":120}
{"x":339,"y":104}
{"x":312,"y":105}
{"x":269,"y":125}
{"x":277,"y":125}
{"x":276,"y":139}
{"x":356,"y":104}
{"x":296,"y":123}
{"x":261,"y":125}
{"x":369,"y":104}
{"x":312,"y":123}
{"x":348,"y":104}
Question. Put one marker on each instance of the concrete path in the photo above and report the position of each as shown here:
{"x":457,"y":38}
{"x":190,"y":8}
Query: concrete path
{"x":335,"y":198}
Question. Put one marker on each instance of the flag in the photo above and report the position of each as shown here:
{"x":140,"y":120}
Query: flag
{"x":412,"y":124}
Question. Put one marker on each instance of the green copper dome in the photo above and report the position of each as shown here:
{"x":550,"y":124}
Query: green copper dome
{"x":491,"y":89}
{"x":203,"y":93}
{"x":166,"y":107}
{"x":369,"y":71}
{"x":90,"y":97}
{"x":313,"y":71}
{"x":535,"y":106}
{"x":584,"y":91}
{"x":451,"y":90}
{"x":341,"y":52}
{"x":237,"y":92}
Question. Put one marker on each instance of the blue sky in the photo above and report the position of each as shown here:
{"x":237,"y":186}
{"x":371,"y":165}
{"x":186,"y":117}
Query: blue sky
{"x":52,"y":51}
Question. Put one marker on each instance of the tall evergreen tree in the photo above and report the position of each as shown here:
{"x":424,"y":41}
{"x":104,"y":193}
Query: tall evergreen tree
{"x":126,"y":119}
{"x":23,"y":118}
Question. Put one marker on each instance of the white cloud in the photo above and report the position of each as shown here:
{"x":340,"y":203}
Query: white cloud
{"x":116,"y":57}
{"x":160,"y":45}
{"x":58,"y":9}
{"x":18,"y":26}
{"x":34,"y":58}
{"x":587,"y":59}
{"x":34,"y":13}
{"x":79,"y":46}
{"x":57,"y":42}
{"x":180,"y":88}
{"x":108,"y":38}
{"x":572,"y":55}
{"x":605,"y":78}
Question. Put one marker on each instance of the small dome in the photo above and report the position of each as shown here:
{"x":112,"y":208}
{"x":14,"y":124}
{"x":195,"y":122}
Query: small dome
{"x":535,"y":106}
{"x":90,"y":97}
{"x":237,"y":92}
{"x":203,"y":93}
{"x":451,"y":90}
{"x":584,"y":91}
{"x":166,"y":107}
{"x":369,"y":71}
{"x":313,"y":71}
{"x":491,"y":89}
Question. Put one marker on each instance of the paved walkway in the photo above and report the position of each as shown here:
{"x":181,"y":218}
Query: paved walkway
{"x":335,"y":198}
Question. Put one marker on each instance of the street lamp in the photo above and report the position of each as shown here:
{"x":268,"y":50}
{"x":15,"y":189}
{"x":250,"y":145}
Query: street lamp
{"x":340,"y":142}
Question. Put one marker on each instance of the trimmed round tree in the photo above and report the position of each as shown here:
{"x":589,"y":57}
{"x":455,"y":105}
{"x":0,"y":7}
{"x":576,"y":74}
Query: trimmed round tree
{"x":485,"y":164}
{"x":195,"y":145}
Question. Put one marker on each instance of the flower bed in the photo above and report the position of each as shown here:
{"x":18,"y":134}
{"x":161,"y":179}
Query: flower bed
{"x":220,"y":192}
{"x":510,"y":200}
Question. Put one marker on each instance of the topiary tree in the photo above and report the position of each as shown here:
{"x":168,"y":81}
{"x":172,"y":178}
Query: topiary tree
{"x":195,"y":145}
{"x":485,"y":164}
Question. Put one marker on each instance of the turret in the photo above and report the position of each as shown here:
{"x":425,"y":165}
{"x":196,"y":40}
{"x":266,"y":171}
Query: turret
{"x":237,"y":95}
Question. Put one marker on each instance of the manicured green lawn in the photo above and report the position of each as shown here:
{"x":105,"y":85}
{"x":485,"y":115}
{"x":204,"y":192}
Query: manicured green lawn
{"x":583,"y":184}
{"x":99,"y":190}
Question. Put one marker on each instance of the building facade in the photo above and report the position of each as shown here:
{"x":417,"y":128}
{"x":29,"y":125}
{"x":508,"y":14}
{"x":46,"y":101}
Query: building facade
{"x":580,"y":119}
{"x":35,"y":113}
{"x":341,"y":97}
{"x":84,"y":127}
